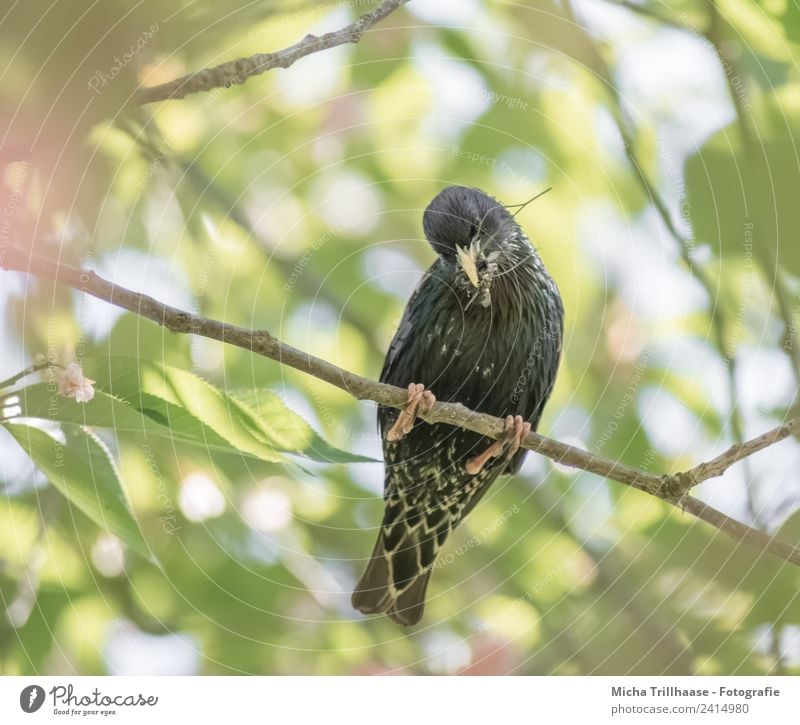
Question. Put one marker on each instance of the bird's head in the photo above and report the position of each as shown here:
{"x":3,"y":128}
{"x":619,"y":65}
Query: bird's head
{"x":475,"y":234}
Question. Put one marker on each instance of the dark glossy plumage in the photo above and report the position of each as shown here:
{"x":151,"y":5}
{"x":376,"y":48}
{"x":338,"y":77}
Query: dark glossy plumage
{"x":495,"y":349}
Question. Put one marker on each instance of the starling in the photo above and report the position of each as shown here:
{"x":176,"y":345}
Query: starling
{"x":483,"y":328}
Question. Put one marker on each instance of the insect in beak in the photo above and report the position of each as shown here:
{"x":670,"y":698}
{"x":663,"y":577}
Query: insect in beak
{"x":466,"y":258}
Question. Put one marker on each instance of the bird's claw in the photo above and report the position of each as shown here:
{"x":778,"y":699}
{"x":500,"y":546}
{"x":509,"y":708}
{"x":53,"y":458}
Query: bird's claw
{"x":419,"y":401}
{"x":516,"y":430}
{"x":521,"y":429}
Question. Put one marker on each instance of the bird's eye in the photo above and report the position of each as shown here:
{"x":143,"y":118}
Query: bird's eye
{"x":481,"y":265}
{"x":473,"y":230}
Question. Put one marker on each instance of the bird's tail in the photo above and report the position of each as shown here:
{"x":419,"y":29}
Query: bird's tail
{"x":395,"y":581}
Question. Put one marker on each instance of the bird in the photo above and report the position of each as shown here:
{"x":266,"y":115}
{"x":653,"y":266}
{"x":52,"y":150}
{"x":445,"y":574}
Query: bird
{"x":484,"y":328}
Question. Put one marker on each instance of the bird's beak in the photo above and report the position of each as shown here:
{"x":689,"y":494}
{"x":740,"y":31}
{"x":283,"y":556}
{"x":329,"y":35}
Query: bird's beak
{"x":466,"y":258}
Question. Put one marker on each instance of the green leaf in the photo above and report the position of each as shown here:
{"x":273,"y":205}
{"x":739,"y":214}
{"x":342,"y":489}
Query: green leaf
{"x":106,"y":411}
{"x":291,"y":432}
{"x":186,"y":403}
{"x":82,"y":470}
{"x":182,"y":402}
{"x":744,"y":203}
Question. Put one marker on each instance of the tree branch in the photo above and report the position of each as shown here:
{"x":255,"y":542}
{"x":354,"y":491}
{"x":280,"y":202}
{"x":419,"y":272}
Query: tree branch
{"x":673,"y":489}
{"x":236,"y":72}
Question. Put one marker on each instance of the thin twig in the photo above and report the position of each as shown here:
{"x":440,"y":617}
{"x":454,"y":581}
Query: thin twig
{"x":30,"y":370}
{"x":717,"y":466}
{"x":670,"y":488}
{"x":236,"y":72}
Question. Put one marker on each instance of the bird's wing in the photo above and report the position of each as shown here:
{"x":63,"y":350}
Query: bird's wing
{"x":402,"y":335}
{"x":542,"y":378}
{"x":398,"y":364}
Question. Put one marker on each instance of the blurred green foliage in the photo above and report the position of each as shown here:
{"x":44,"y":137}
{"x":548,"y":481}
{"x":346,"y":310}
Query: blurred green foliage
{"x":293,"y":203}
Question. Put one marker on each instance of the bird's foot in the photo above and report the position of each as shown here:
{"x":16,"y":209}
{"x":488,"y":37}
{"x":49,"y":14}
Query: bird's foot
{"x":521,"y":428}
{"x":509,"y":442}
{"x":419,"y":401}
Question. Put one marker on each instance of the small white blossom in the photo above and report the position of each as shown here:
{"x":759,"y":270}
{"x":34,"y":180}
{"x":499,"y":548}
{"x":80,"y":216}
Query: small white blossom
{"x":72,"y":384}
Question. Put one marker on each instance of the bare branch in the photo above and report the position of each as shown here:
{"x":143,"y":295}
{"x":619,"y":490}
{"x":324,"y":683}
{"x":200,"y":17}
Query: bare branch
{"x":670,"y":488}
{"x":717,"y":466}
{"x":737,"y":530}
{"x":236,"y":72}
